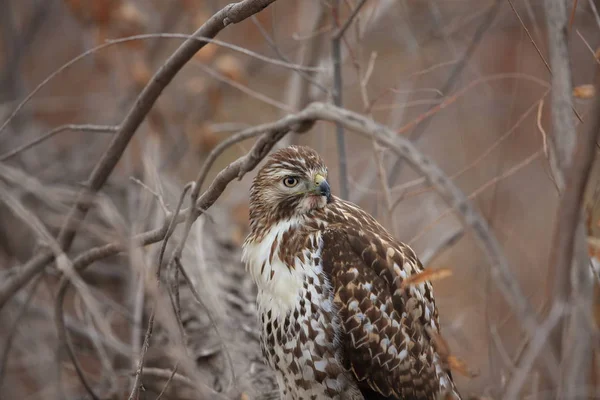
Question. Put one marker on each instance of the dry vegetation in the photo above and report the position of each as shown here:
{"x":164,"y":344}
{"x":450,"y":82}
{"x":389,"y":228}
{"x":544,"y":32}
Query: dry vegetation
{"x":467,"y":126}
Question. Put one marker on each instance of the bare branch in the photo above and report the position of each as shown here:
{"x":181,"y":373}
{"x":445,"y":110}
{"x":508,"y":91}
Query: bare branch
{"x":449,"y":241}
{"x":300,"y":72}
{"x":140,"y":367}
{"x":563,"y":139}
{"x":572,"y":158}
{"x":162,"y":392}
{"x":566,"y":235}
{"x":536,"y":345}
{"x":340,"y":32}
{"x":64,"y":338}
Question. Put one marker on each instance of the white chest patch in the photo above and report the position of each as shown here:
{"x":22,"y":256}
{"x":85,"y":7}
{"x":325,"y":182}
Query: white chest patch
{"x":279,"y":286}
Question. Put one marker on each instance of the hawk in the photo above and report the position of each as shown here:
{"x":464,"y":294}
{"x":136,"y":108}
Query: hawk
{"x":336,"y":323}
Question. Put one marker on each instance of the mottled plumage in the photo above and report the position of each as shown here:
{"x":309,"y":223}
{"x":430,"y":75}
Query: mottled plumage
{"x":336,"y":322}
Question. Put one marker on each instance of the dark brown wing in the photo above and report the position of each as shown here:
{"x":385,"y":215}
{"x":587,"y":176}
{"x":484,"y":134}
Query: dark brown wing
{"x":385,"y":342}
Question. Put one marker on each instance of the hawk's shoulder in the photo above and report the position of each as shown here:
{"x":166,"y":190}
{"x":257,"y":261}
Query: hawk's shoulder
{"x":385,"y":341}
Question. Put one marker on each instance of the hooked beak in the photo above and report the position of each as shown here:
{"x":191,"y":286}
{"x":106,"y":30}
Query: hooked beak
{"x":322,"y":188}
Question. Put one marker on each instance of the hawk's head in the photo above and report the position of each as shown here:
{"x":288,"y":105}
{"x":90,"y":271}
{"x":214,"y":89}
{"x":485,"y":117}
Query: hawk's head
{"x":292,"y":182}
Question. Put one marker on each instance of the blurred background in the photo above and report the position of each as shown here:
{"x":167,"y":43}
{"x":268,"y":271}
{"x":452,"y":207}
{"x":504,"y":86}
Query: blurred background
{"x":460,"y":78}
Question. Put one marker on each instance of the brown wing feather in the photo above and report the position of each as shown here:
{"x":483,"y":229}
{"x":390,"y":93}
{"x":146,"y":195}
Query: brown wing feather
{"x":385,"y":340}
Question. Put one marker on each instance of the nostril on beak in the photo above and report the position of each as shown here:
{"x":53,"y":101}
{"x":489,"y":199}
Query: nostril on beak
{"x":325,"y":189}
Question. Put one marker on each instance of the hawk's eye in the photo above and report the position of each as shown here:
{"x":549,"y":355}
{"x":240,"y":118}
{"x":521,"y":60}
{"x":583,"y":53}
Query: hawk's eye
{"x":290,"y":181}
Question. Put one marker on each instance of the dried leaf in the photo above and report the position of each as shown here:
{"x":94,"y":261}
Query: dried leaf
{"x":240,"y":214}
{"x":140,"y":72}
{"x":584,"y":91}
{"x":231,"y":67}
{"x":207,"y":53}
{"x":594,"y":247}
{"x":237,"y":236}
{"x":596,"y":304}
{"x":201,"y":137}
{"x":200,"y":18}
{"x":461,"y":367}
{"x":426,"y":275}
{"x":130,"y":14}
{"x":129,"y":21}
{"x":196,"y":85}
{"x":96,"y":12}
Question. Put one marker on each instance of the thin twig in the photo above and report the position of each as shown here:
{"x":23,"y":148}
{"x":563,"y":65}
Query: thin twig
{"x":242,"y":50}
{"x":336,"y":58}
{"x":536,"y":345}
{"x":303,"y":74}
{"x":171,"y":229}
{"x":511,"y":171}
{"x":541,"y":127}
{"x":63,"y":128}
{"x":243,"y":88}
{"x":537,"y":49}
{"x":572,"y":18}
{"x":340,"y":32}
{"x":63,"y":338}
{"x":165,"y":374}
{"x":450,"y":240}
{"x":404,"y":194}
{"x":145,"y":347}
{"x":198,"y":299}
{"x":162,"y":392}
{"x":595,"y":12}
{"x":153,"y":192}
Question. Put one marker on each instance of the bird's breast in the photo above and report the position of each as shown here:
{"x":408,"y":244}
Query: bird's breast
{"x":281,"y":282}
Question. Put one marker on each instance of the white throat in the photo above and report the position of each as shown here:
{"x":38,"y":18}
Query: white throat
{"x":279,"y":286}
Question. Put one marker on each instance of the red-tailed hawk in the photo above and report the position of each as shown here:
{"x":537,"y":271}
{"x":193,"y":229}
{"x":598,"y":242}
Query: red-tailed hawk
{"x":336,"y":322}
